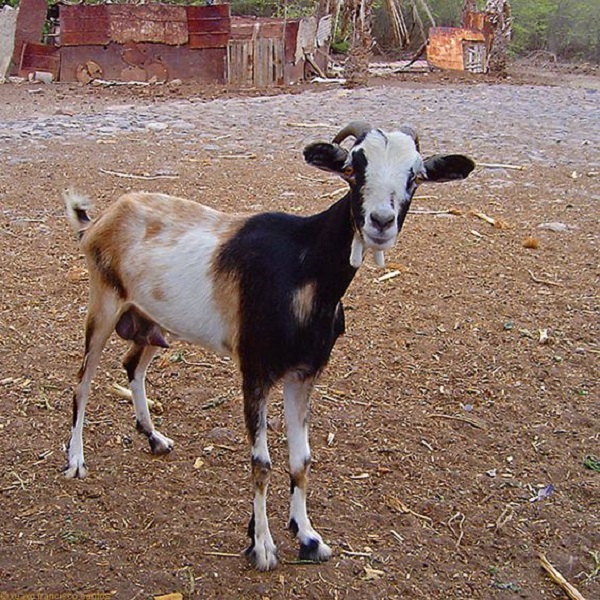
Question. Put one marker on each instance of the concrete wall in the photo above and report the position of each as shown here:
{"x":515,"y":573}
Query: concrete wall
{"x":8,"y":26}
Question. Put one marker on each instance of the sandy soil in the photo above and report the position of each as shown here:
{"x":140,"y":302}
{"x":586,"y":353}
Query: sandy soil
{"x":444,"y":415}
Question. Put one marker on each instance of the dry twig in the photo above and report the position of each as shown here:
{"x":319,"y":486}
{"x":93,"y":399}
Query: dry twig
{"x":400,"y":507}
{"x":497,"y":223}
{"x":132,"y":176}
{"x":543,"y":281}
{"x":469,"y":420}
{"x":500,"y":166}
{"x":568,"y":588}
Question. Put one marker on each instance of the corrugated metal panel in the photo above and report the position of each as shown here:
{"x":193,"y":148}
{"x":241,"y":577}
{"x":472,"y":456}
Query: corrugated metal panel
{"x":164,"y":62}
{"x":30,"y":25}
{"x":209,"y":26}
{"x":84,"y":25}
{"x":156,"y":23}
{"x":39,"y":57}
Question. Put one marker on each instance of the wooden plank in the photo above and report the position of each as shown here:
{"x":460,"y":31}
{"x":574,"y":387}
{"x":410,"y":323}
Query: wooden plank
{"x":86,"y":24}
{"x":241,"y":64}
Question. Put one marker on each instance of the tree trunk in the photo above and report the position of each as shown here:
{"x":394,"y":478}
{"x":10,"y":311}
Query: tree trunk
{"x":356,"y":69}
{"x":499,"y":15}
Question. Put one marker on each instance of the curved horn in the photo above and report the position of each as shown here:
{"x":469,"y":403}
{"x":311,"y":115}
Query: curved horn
{"x":355,"y":129}
{"x":412,"y":132}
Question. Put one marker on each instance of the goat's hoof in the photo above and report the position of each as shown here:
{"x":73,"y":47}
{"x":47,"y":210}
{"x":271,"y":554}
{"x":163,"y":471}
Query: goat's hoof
{"x":262,"y":557}
{"x":315,"y":550}
{"x":77,"y":471}
{"x":160,"y":444}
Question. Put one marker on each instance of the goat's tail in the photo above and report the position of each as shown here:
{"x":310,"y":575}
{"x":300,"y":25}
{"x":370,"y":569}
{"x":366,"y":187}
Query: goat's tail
{"x":77,"y":207}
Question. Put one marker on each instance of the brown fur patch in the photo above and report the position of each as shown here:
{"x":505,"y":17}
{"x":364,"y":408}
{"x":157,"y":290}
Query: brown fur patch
{"x":159,"y":294}
{"x":153,"y":228}
{"x":303,"y":301}
{"x":300,"y":479}
{"x":260,"y":474}
{"x":227,"y":292}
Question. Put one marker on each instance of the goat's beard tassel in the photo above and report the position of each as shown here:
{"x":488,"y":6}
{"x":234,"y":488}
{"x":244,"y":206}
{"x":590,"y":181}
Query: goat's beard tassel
{"x":356,"y":251}
{"x":379,"y":258}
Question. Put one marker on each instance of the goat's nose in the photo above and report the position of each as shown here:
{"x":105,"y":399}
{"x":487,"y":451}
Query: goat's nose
{"x":382,"y":220}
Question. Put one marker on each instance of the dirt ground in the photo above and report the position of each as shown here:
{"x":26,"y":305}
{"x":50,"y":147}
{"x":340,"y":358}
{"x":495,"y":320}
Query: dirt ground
{"x":466,"y":385}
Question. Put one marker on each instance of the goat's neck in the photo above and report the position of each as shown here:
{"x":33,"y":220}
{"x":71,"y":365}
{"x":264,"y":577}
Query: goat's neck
{"x":329,"y":255}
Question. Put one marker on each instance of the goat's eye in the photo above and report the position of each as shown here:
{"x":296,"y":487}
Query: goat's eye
{"x":348,"y":171}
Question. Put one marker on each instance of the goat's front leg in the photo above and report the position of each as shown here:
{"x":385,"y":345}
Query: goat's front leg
{"x":296,"y":394}
{"x":262,"y":551}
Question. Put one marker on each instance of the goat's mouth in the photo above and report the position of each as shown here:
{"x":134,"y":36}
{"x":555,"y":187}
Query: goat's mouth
{"x":379,"y":242}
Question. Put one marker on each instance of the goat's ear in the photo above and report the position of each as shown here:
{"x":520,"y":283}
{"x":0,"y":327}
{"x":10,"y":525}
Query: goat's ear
{"x":326,"y":156}
{"x":446,"y":167}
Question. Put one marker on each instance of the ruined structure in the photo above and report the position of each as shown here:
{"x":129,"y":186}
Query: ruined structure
{"x":160,"y":42}
{"x":465,"y":48}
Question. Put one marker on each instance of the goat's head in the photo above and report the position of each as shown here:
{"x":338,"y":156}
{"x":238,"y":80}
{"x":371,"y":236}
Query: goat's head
{"x":383,"y":171}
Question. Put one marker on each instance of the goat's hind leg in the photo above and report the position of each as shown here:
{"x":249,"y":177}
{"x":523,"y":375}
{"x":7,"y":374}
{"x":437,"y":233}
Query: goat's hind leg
{"x":136,"y":362}
{"x":296,"y":392}
{"x":100,"y":322}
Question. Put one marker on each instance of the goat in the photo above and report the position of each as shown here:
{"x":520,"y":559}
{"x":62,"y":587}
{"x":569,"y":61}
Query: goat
{"x":265,"y":289}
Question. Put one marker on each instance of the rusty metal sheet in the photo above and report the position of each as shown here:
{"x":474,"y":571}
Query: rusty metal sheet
{"x":209,"y":40}
{"x":30,"y":25}
{"x":199,"y":13}
{"x":39,"y":57}
{"x":156,"y":23}
{"x":291,"y":40}
{"x":209,"y":26}
{"x":84,"y":24}
{"x":161,"y":61}
{"x":446,"y":46}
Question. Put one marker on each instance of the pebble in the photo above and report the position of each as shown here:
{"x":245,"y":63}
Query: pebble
{"x":492,"y":123}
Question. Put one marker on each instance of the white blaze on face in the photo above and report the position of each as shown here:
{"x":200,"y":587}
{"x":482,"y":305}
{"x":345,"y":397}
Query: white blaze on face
{"x":392,"y":162}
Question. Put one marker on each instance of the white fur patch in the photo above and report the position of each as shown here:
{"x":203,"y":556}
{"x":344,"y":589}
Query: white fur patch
{"x":391,"y":160}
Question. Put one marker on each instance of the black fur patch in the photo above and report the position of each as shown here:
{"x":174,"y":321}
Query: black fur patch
{"x":309,"y":551}
{"x":273,"y":255}
{"x":107,"y":271}
{"x":293,"y":526}
{"x":132,"y":360}
{"x":359,"y":163}
{"x":251,"y":532}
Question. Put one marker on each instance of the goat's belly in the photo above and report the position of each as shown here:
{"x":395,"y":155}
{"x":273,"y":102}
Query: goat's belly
{"x":191,"y":314}
{"x":204,"y":327}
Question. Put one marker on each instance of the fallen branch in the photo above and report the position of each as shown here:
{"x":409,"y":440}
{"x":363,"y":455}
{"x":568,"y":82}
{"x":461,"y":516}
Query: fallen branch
{"x":543,"y":281}
{"x":132,"y":176}
{"x":223,"y":554}
{"x":569,"y":589}
{"x":468,"y":420}
{"x":315,"y":66}
{"x":499,"y":166}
